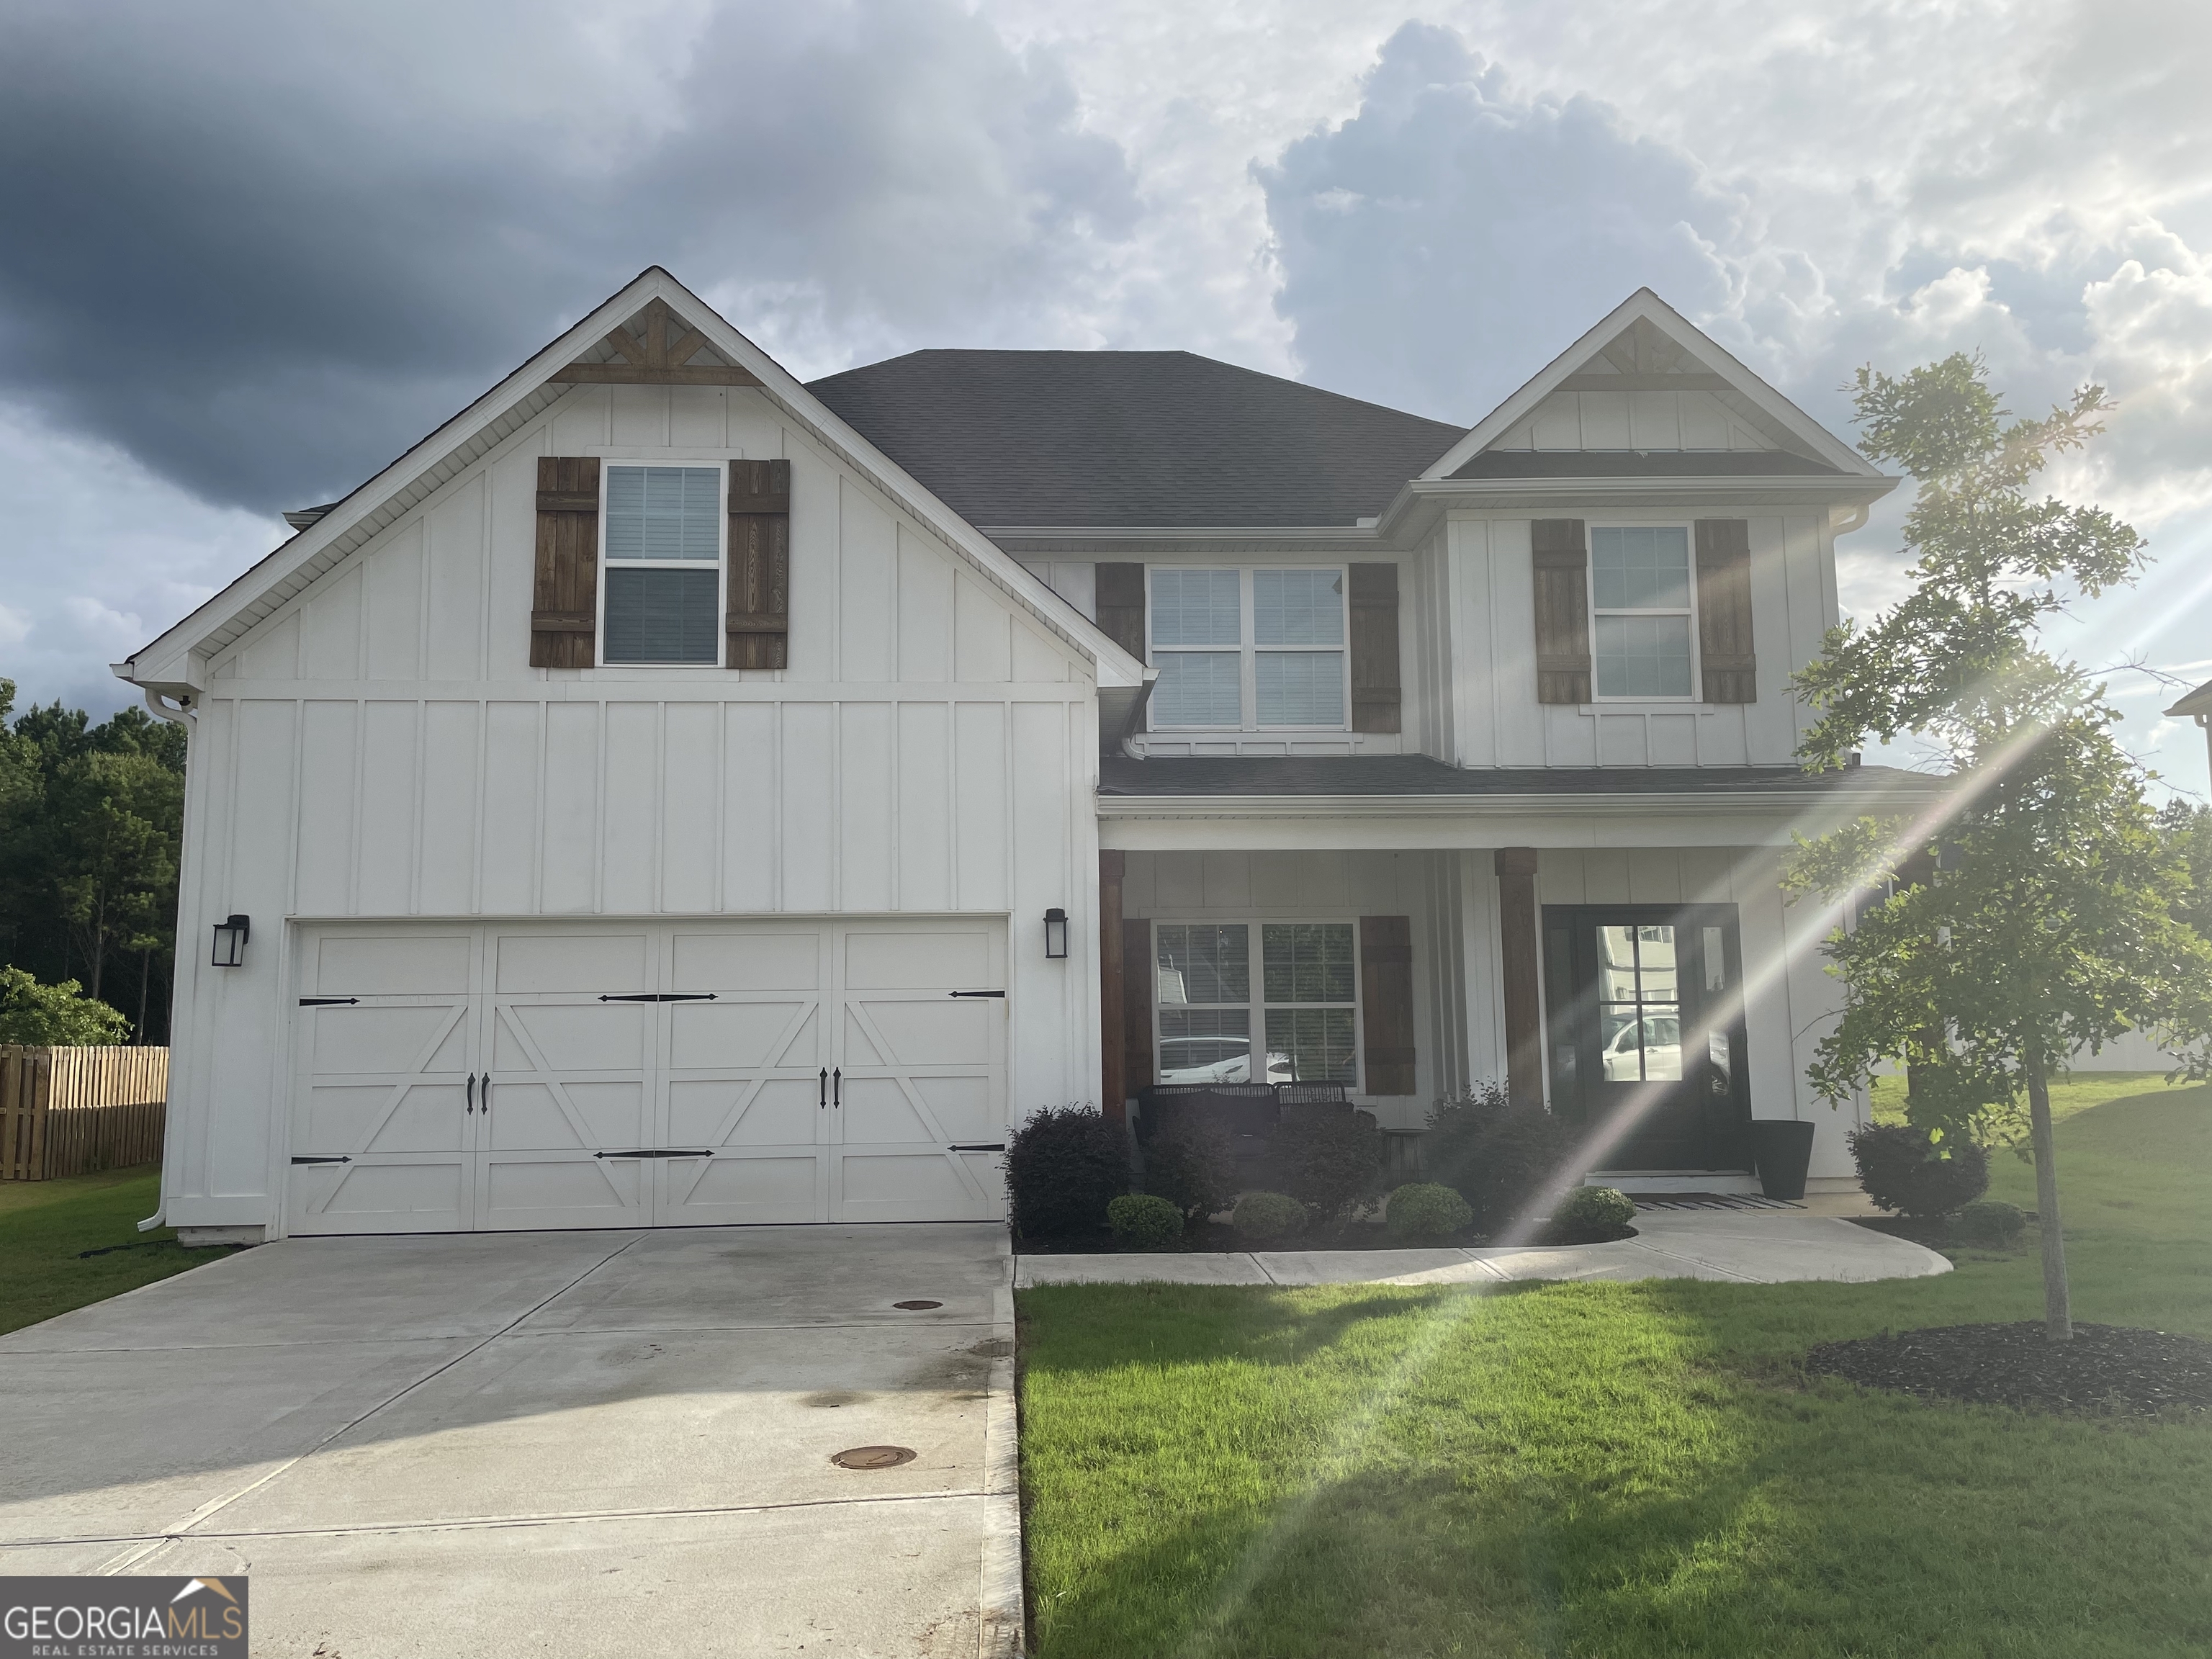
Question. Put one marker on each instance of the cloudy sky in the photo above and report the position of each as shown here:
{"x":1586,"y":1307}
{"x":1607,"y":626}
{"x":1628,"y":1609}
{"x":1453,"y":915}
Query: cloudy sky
{"x":257,"y":249}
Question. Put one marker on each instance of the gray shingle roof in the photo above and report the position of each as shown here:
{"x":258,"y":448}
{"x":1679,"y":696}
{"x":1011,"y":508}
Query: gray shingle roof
{"x":1130,"y":438}
{"x":1418,"y":775}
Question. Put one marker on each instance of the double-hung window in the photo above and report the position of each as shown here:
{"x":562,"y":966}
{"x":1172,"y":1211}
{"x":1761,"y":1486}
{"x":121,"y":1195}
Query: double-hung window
{"x":1242,"y":650}
{"x":1304,"y":1024}
{"x":661,"y":582}
{"x":1641,"y":620}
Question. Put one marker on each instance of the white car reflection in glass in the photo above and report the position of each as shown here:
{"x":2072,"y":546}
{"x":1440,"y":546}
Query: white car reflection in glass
{"x":1205,"y":1060}
{"x":1219,"y":1059}
{"x":1662,"y":1050}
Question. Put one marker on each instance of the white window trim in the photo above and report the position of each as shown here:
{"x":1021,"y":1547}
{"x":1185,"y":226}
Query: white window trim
{"x":722,"y":566}
{"x":1695,"y":694}
{"x":1255,"y":968}
{"x":1247,"y":651}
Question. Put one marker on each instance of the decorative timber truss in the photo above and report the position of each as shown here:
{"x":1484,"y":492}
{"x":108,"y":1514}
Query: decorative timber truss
{"x":663,"y":357}
{"x":1642,"y":359}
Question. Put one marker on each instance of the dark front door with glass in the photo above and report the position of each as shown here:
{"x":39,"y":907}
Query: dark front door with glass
{"x":1644,"y":1029}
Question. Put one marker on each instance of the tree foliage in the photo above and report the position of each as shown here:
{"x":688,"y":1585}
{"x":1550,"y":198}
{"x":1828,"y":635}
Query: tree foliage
{"x":91,"y":818}
{"x":55,"y":1016}
{"x":2052,"y":916}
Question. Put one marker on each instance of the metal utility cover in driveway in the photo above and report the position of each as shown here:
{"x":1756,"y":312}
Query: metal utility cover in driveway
{"x":545,"y":1444}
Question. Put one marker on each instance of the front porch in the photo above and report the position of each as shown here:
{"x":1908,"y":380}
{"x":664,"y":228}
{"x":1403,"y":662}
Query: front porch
{"x":1659,"y":998}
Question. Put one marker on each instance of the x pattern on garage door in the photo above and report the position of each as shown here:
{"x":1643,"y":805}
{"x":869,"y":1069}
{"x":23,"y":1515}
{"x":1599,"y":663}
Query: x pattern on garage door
{"x":613,"y":1075}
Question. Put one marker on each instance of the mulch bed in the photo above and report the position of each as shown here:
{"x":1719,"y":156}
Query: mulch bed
{"x":2105,"y":1370}
{"x":1215,"y":1236}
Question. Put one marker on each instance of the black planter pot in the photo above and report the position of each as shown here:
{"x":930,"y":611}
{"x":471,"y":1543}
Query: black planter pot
{"x":1782,"y":1152}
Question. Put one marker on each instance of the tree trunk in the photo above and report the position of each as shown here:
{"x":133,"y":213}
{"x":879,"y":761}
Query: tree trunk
{"x":145,"y":974}
{"x":2058,"y":1316}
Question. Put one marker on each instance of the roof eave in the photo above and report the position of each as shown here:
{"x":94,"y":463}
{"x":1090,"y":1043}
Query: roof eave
{"x":1647,"y":305}
{"x":177,"y":657}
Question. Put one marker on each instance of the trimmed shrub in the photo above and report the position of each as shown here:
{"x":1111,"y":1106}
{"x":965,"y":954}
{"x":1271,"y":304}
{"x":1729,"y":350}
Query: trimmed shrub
{"x":1498,"y":1156}
{"x":1591,"y":1213}
{"x":55,"y":1016}
{"x":1191,"y":1166}
{"x":1991,"y":1221}
{"x":1143,"y":1222}
{"x":1265,"y":1217}
{"x":1426,"y":1209}
{"x":1063,"y":1168}
{"x":1901,"y":1170}
{"x":1326,"y":1156}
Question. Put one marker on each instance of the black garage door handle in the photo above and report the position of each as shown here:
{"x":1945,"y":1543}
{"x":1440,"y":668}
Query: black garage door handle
{"x":661,"y":996}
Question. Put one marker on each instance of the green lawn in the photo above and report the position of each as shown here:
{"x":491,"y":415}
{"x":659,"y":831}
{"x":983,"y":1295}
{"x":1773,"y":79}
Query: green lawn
{"x":1629,"y":1470}
{"x":44,"y":1225}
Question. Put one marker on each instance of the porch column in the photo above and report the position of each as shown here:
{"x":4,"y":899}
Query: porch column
{"x":1516,"y":938}
{"x":1112,"y":1042}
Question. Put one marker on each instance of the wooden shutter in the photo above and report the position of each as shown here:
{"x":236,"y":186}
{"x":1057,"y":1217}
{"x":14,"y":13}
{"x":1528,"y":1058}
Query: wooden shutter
{"x":758,"y":618}
{"x":1376,"y":697}
{"x":1386,"y":992}
{"x":1138,"y":1070}
{"x":1561,"y":561}
{"x":564,"y":600}
{"x":1724,"y":651}
{"x":1119,"y":599}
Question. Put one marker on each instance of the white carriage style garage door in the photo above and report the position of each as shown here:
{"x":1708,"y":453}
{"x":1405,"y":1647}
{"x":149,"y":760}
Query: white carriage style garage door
{"x":609,"y":1074}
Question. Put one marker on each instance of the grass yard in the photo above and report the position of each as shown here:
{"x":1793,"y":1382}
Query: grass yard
{"x":1625,"y":1469}
{"x":44,"y":1225}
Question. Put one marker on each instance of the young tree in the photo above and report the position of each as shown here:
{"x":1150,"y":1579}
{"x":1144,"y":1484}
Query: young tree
{"x":2049,"y":921}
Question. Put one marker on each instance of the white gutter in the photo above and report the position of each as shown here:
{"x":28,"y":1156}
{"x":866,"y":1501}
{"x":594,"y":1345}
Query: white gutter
{"x":1673,"y":803}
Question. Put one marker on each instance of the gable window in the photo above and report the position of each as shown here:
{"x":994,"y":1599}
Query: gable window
{"x":1304,"y":1022}
{"x":661,"y":552}
{"x":1249,"y":649}
{"x":1641,"y":621}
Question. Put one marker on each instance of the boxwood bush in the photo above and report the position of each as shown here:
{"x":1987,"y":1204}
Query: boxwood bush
{"x":1593,"y":1212}
{"x":1191,"y":1166}
{"x":1426,"y":1209}
{"x":1063,"y":1168}
{"x":1903,"y":1171}
{"x":1143,"y":1222}
{"x":1498,"y":1156}
{"x":1991,"y":1221}
{"x":1265,"y":1217}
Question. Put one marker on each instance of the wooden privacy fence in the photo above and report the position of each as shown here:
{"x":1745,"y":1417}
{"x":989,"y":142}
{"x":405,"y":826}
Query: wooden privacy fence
{"x":69,"y":1111}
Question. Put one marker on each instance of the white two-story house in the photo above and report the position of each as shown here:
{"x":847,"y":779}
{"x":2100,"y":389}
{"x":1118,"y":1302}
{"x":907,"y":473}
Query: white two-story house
{"x":671,"y":793}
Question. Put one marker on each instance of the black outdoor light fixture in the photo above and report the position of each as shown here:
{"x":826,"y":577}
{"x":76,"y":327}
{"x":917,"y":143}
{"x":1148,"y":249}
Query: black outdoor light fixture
{"x":230,"y":935}
{"x":1056,"y":933}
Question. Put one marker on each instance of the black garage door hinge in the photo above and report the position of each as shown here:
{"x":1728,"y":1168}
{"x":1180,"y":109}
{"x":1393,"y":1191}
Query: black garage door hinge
{"x":661,"y":996}
{"x":327,"y":1002}
{"x":994,"y":1146}
{"x":322,"y":1160}
{"x":975,"y":993}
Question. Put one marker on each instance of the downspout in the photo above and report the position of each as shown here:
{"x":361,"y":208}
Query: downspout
{"x":181,"y":714}
{"x":1855,"y":520}
{"x":1133,"y":726}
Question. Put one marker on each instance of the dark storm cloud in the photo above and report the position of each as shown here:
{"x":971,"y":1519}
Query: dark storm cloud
{"x":265,"y":248}
{"x":1445,"y":242}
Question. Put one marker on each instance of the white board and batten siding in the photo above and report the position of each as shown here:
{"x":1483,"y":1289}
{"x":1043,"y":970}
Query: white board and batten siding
{"x":1474,"y":676}
{"x":378,"y":749}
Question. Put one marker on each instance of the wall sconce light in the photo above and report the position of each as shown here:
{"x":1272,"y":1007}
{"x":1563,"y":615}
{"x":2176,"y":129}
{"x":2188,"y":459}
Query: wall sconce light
{"x":230,"y":936}
{"x":1055,"y":933}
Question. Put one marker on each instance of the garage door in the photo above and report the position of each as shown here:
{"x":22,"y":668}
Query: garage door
{"x":613,"y":1075}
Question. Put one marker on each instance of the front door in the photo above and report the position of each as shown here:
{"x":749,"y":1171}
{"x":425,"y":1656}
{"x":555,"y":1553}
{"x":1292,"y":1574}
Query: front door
{"x":1645,"y":1029}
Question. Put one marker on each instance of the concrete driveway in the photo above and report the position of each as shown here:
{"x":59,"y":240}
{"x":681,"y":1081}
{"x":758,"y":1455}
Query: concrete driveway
{"x":545,"y":1444}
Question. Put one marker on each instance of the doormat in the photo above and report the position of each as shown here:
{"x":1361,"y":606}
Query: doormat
{"x":1710,"y":1201}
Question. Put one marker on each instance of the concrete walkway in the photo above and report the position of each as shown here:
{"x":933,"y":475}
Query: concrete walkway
{"x":1758,"y":1246}
{"x":573,"y":1444}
